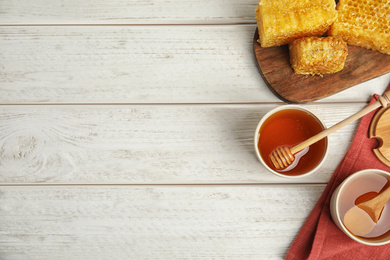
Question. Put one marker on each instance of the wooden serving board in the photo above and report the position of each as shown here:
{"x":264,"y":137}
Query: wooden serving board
{"x":274,"y":65}
{"x":379,"y":128}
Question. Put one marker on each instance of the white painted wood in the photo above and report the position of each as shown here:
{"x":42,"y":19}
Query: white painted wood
{"x":152,"y":222}
{"x":361,"y":92}
{"x":129,"y":64}
{"x":141,"y":64}
{"x":144,"y":144}
{"x":161,"y":100}
{"x":127,"y":12}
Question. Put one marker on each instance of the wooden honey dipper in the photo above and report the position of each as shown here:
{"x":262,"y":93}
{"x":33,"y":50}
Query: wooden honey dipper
{"x":282,"y":157}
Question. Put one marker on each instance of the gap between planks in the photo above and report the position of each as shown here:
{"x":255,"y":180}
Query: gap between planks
{"x":126,"y":24}
{"x":179,"y":103}
{"x":157,"y":184}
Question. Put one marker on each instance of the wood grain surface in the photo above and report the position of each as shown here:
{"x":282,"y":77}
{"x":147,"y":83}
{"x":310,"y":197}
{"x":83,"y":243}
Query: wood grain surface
{"x":274,"y":65}
{"x":379,"y":129}
{"x":146,"y":144}
{"x":138,"y":64}
{"x":126,"y":132}
{"x":152,"y":222}
{"x":123,"y":12}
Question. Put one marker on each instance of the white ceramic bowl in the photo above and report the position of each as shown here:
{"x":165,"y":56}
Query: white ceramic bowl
{"x":344,"y":197}
{"x":257,"y":136}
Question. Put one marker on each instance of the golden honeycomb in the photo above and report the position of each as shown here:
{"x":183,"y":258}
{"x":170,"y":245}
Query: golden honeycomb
{"x":364,"y":23}
{"x":280,"y":21}
{"x":318,"y":55}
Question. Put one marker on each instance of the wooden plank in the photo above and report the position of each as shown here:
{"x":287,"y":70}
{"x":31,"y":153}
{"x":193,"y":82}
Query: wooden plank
{"x":129,"y":65}
{"x":127,"y":12}
{"x":274,"y":65}
{"x":137,"y":64}
{"x":152,"y":222}
{"x":148,"y":144}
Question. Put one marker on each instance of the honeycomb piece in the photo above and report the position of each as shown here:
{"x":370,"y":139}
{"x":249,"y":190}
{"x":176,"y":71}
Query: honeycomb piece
{"x":318,"y":55}
{"x":364,"y":23}
{"x":280,"y":21}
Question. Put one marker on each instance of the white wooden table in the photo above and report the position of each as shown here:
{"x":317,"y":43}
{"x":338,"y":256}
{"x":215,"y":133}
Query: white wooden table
{"x":126,"y":132}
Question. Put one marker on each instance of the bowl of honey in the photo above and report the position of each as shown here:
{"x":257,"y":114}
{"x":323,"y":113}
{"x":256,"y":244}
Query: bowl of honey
{"x":289,"y":125}
{"x":358,"y":188}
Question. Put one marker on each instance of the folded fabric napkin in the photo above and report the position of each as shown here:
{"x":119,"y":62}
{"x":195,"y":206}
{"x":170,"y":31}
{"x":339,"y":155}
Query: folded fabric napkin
{"x":319,"y":237}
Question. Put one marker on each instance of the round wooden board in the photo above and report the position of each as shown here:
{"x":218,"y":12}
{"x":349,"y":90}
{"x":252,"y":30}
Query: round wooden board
{"x":274,"y":65}
{"x":380,"y":129}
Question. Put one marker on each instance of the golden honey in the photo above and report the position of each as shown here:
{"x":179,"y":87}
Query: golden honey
{"x":363,"y":189}
{"x":317,"y":55}
{"x":280,"y":22}
{"x":364,"y":23}
{"x":288,"y":128}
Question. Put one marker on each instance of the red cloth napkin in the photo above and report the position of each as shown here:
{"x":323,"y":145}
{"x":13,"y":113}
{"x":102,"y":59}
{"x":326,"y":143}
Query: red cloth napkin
{"x":319,"y":237}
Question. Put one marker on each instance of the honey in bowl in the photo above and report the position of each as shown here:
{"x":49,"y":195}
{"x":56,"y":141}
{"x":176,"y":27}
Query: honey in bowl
{"x":360,"y":190}
{"x":289,"y":127}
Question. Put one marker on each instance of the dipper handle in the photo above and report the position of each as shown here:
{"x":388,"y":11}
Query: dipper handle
{"x":283,"y":156}
{"x":382,"y":101}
